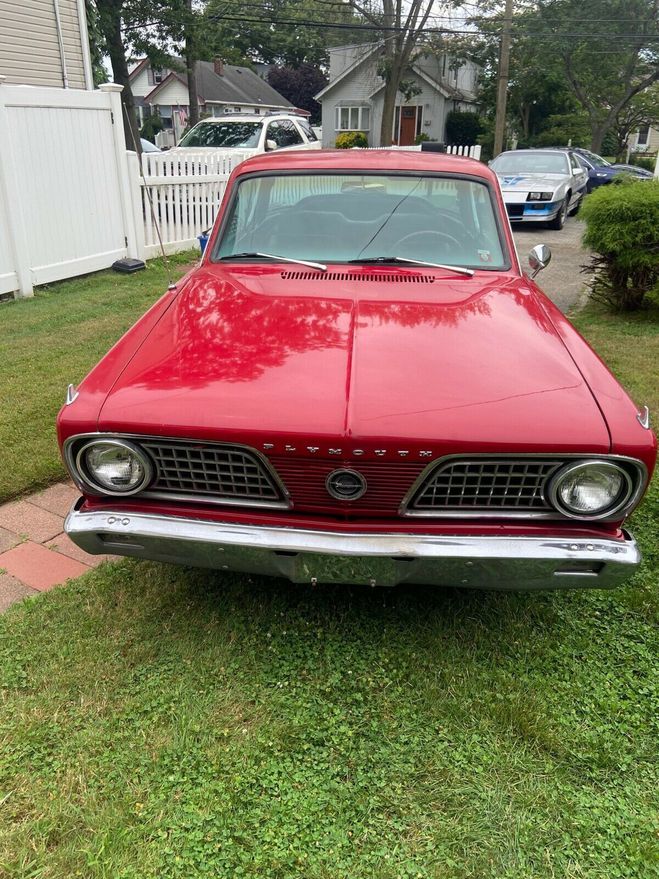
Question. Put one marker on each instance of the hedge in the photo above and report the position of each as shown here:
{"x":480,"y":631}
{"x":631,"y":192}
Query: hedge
{"x":622,"y":228}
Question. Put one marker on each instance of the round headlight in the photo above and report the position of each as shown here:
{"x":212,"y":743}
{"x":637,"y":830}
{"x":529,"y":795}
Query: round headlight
{"x":590,"y":489}
{"x":114,"y":466}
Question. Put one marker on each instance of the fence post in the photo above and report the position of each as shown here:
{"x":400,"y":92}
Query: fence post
{"x":133,"y":164}
{"x":113,"y":91}
{"x":10,"y":201}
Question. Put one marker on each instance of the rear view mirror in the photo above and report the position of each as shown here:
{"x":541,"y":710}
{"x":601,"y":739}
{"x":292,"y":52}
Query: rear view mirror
{"x":539,"y":258}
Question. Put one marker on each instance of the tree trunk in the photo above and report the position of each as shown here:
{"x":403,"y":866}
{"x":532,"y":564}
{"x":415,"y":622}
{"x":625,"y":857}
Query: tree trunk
{"x":597,"y":134}
{"x":110,"y":21}
{"x":191,"y":68}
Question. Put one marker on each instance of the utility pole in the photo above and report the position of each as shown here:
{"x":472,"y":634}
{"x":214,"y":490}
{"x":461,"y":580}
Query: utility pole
{"x":502,"y":84}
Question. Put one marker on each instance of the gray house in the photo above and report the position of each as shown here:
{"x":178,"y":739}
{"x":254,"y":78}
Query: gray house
{"x":353,"y":98}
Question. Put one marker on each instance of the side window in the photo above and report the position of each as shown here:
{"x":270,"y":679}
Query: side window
{"x":275,"y":133}
{"x":574,"y":162}
{"x":292,"y":136}
{"x":307,"y":129}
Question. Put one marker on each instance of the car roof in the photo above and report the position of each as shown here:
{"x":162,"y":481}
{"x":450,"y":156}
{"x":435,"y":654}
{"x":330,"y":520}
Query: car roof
{"x":541,"y":150}
{"x":379,"y":160}
{"x":250,"y":117}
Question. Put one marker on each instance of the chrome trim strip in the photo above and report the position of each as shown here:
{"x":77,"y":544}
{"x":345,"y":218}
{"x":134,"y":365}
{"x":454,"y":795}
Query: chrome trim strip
{"x":644,"y":418}
{"x":458,"y":513}
{"x":284,"y":504}
{"x":501,"y":562}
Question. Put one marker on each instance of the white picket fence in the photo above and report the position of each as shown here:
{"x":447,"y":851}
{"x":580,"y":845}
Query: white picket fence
{"x":179,"y":197}
{"x":471,"y":152}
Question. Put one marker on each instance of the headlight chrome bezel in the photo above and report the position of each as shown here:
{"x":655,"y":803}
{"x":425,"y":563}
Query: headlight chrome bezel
{"x":97,"y":488}
{"x":618,"y":505}
{"x":537,"y":195}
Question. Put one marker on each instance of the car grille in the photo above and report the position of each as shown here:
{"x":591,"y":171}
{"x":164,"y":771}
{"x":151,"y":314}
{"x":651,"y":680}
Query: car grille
{"x":387,"y":483}
{"x":515,"y":210}
{"x":485,"y":484}
{"x":221,"y":473}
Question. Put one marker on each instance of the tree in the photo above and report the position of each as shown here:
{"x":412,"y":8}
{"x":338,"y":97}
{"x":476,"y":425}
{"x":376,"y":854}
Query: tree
{"x":610,"y":50}
{"x":110,"y":17}
{"x":287,"y":33}
{"x":299,"y":85}
{"x":403,"y":25}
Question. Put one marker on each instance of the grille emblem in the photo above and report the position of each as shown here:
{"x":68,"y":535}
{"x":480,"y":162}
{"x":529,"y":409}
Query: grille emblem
{"x":346,"y":485}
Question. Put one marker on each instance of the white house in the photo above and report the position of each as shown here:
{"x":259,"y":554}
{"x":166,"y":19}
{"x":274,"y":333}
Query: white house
{"x":222,"y":88}
{"x":353,"y":98}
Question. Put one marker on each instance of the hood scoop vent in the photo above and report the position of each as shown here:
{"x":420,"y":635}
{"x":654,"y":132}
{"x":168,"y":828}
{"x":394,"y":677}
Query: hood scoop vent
{"x":381,"y":277}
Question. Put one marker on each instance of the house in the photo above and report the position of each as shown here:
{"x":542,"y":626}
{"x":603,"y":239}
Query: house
{"x":645,"y":140}
{"x":45,"y":43}
{"x":222,"y":88}
{"x":353,"y":98}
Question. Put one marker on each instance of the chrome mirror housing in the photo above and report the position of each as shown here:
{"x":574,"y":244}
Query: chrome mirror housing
{"x":539,"y":258}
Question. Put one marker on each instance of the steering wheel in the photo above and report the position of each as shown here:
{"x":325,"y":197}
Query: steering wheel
{"x":430,"y":240}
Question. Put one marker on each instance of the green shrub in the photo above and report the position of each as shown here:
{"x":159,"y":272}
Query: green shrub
{"x":462,"y":128}
{"x":349,"y":139}
{"x":622,"y":227}
{"x":421,"y":138}
{"x":646,"y":162}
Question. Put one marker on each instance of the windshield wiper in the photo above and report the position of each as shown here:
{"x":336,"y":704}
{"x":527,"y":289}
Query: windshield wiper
{"x":256,"y":253}
{"x":461,"y":270}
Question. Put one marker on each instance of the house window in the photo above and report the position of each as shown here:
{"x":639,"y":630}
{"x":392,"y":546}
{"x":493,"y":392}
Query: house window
{"x":353,"y":119}
{"x":643,"y":135}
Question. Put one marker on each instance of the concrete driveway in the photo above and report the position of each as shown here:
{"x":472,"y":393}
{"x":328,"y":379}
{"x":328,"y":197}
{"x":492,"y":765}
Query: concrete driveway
{"x":562,"y":281}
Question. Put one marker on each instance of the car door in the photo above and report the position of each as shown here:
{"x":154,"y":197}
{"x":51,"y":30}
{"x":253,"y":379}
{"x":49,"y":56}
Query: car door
{"x":579,"y":178}
{"x":284,"y":133}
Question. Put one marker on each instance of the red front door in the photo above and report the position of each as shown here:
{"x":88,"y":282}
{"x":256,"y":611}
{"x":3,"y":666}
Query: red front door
{"x":407,"y":126}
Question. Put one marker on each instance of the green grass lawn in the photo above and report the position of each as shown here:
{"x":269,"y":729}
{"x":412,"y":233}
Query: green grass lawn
{"x":53,"y":340}
{"x":163,"y":722}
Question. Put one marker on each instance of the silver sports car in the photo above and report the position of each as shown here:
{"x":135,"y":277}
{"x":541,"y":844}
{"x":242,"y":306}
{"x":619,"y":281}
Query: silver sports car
{"x":541,"y":186}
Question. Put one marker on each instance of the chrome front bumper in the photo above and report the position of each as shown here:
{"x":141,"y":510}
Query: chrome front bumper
{"x":306,"y":556}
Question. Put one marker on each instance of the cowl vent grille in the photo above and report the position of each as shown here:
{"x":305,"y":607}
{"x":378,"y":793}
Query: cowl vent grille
{"x":357,"y":276}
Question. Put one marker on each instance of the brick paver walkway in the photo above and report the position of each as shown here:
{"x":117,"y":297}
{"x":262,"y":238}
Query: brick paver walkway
{"x":35,"y":554}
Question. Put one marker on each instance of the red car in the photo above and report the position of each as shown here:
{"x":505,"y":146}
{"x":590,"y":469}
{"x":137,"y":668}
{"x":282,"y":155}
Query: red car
{"x":359,"y":384}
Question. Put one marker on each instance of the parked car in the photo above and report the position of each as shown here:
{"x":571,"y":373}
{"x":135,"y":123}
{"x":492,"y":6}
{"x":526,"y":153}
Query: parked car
{"x":601,"y":172}
{"x":250,"y":134}
{"x":359,"y":384}
{"x":541,"y":186}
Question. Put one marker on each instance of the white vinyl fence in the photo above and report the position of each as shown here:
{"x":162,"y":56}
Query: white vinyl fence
{"x":65,"y":201}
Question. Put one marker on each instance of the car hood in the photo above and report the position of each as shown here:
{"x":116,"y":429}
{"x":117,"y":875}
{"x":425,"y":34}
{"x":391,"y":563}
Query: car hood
{"x":631,"y":169}
{"x":269,"y":352}
{"x":523,"y":182}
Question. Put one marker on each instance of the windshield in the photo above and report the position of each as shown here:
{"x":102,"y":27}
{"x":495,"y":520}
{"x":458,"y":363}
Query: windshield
{"x":350,"y":216}
{"x":243,"y":135}
{"x":593,"y":158}
{"x":529,"y":162}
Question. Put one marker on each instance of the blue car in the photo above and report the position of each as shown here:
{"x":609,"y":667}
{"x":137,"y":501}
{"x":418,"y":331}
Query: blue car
{"x":600,"y":171}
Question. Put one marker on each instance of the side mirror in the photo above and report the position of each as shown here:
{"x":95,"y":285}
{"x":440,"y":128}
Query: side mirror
{"x":539,"y":258}
{"x":270,"y":145}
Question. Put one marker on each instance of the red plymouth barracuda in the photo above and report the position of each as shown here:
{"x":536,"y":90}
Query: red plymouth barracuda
{"x":359,"y":384}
